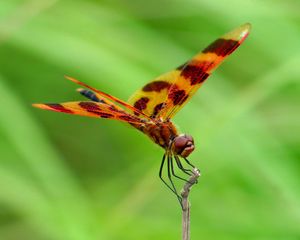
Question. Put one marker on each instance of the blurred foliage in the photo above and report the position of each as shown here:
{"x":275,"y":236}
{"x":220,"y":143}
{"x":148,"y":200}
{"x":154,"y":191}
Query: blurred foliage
{"x":65,"y":177}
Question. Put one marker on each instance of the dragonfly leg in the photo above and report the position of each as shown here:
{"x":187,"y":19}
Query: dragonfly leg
{"x":171,"y":181}
{"x":188,"y":162}
{"x":186,"y":171}
{"x":173,"y":172}
{"x":160,"y":174}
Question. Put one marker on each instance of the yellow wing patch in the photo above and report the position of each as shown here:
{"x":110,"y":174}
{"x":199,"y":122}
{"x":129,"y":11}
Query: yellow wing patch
{"x":151,"y":97}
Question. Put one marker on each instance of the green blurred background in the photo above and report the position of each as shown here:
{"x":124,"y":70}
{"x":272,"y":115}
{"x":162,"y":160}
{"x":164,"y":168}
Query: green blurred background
{"x":65,"y":177}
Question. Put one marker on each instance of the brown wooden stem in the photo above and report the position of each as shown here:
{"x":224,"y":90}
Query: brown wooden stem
{"x":186,"y":205}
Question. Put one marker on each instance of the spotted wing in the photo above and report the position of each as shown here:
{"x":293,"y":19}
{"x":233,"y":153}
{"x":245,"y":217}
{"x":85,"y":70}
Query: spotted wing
{"x":198,"y":69}
{"x":111,"y":100}
{"x":151,"y":97}
{"x":95,"y":97}
{"x":92,"y":109}
{"x":167,"y":94}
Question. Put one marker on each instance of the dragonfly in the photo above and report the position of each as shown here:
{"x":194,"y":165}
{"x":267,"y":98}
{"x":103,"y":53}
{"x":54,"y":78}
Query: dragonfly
{"x":151,"y":108}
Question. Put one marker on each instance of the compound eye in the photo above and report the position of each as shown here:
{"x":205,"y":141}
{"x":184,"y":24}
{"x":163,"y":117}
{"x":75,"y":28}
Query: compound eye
{"x":189,"y":138}
{"x":183,"y":145}
{"x":180,"y":142}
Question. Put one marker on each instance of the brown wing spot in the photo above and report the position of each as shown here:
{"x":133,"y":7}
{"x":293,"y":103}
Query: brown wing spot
{"x":89,"y":106}
{"x":129,"y":118}
{"x":94,"y":108}
{"x":177,"y":96}
{"x":104,"y":115}
{"x":157,"y":109}
{"x":141,"y":104}
{"x":58,"y":107}
{"x":222,"y":47}
{"x":195,"y":73}
{"x":156,"y":86}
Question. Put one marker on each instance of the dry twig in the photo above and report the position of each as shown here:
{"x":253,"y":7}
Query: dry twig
{"x":186,"y":205}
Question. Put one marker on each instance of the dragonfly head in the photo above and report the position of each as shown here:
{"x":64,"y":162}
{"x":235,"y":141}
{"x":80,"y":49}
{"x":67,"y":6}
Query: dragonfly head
{"x":183,"y":145}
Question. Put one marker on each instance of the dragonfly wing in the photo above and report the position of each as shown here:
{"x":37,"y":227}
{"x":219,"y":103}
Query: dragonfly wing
{"x":91,"y":109}
{"x":95,"y":97}
{"x":192,"y":74}
{"x":152,"y":96}
{"x":111,"y":99}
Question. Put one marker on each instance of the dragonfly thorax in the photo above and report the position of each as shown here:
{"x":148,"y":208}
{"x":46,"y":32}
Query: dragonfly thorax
{"x":183,"y":145}
{"x":165,"y":134}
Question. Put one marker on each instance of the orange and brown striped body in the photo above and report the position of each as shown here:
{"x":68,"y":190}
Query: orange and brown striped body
{"x":166,"y":135}
{"x":162,"y":133}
